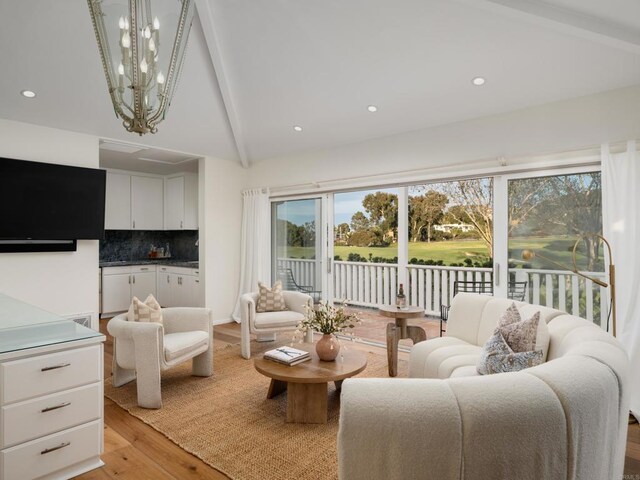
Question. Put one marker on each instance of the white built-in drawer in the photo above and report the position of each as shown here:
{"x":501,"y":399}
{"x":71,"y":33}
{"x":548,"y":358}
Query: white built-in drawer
{"x":44,"y":374}
{"x":23,"y":421}
{"x":52,"y":453}
{"x":116,"y":270}
{"x":143,"y":268}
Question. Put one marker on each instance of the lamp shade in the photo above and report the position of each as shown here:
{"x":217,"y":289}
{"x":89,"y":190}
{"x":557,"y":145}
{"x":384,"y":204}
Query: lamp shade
{"x":142,"y":45}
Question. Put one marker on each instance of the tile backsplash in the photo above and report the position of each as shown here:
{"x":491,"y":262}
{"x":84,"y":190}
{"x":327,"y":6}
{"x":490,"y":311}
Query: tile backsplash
{"x":128,"y":245}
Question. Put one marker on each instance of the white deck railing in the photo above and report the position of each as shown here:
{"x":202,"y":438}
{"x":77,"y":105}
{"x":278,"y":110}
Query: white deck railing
{"x":430,"y":286}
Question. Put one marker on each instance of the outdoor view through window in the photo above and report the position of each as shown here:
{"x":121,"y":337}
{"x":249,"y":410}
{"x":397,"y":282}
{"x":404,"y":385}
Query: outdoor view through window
{"x":450,"y":240}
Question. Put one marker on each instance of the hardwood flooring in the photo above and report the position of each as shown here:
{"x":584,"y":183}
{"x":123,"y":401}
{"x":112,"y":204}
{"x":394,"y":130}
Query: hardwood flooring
{"x":135,"y":451}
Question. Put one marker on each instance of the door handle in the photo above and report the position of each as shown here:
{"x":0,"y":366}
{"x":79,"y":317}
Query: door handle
{"x":134,"y":224}
{"x":168,"y":279}
{"x":129,"y":279}
{"x":181,"y":223}
{"x":496,"y":279}
{"x":134,"y":278}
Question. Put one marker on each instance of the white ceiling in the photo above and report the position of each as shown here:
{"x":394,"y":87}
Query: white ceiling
{"x":319,"y":64}
{"x":120,"y":156}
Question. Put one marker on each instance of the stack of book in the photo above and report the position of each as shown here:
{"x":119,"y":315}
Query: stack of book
{"x":287,"y":356}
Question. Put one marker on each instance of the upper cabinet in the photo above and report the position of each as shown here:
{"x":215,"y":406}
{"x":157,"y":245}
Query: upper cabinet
{"x":147,"y":200}
{"x":117,"y":212}
{"x":140,"y":202}
{"x":181,"y":202}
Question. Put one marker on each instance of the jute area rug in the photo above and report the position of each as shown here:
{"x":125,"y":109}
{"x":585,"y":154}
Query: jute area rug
{"x":227,"y":421}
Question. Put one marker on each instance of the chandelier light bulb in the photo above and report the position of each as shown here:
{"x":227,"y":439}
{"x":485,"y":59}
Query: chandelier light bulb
{"x":152,"y":45}
{"x":121,"y":23}
{"x":147,"y":32}
{"x":126,"y":23}
{"x":160,"y":78}
{"x":156,"y":23}
{"x":126,"y":40}
{"x":143,"y":66}
{"x":120,"y":69}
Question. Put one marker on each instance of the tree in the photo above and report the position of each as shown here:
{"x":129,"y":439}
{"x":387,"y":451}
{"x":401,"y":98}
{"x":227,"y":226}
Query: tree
{"x":425,"y":211}
{"x":382,"y":208}
{"x":342,"y":232}
{"x":359,"y":221}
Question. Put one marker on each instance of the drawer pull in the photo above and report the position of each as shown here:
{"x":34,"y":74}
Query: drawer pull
{"x":55,"y":367}
{"x":144,"y":268}
{"x":62,"y":405}
{"x":53,"y":449}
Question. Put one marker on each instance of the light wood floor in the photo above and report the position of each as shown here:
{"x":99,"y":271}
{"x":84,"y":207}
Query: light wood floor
{"x":135,"y":451}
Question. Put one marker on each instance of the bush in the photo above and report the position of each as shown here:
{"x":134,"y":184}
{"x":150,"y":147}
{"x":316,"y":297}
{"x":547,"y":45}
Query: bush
{"x":356,"y":257}
{"x":363,"y":238}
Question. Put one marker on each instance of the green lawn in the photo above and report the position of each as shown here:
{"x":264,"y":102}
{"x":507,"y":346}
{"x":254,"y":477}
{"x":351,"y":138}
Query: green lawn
{"x":555,"y":248}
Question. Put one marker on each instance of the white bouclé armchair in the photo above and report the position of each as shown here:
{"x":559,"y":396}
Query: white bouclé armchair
{"x":266,"y":325}
{"x":141,"y":350}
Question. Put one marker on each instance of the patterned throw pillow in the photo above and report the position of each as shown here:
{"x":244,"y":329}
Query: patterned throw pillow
{"x":524,"y":335}
{"x":270,"y":299}
{"x":498,"y":357}
{"x":147,"y":311}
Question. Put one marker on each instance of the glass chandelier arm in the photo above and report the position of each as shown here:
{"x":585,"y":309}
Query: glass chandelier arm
{"x":180,"y":37}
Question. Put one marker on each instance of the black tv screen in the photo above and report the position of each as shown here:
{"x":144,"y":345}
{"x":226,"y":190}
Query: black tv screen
{"x":44,"y":201}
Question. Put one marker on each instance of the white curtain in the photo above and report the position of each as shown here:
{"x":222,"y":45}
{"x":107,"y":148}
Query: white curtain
{"x":620,"y":206}
{"x":255,"y":243}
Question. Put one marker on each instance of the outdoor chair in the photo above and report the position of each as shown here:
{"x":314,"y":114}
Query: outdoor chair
{"x":517,"y":290}
{"x":285,"y":275}
{"x":485,"y":288}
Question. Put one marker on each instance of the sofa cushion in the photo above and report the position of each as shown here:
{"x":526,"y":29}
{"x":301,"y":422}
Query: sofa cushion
{"x":181,"y":343}
{"x":440,"y":357}
{"x":270,"y":299}
{"x":278,"y":319}
{"x":466,"y":371}
{"x":498,"y":357}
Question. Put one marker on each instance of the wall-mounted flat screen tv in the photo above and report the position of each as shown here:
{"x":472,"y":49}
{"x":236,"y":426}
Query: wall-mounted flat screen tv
{"x":45,"y":201}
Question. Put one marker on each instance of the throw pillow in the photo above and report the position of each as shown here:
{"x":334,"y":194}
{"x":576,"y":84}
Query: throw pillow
{"x":517,"y":336}
{"x":147,"y":311}
{"x":270,"y":299}
{"x":498,"y":357}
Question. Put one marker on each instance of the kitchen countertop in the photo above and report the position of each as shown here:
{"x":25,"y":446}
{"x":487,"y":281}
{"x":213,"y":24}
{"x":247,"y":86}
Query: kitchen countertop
{"x":153,"y":261}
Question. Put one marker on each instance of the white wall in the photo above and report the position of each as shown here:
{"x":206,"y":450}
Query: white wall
{"x":221,"y":182}
{"x":61,"y":282}
{"x":565,"y":125}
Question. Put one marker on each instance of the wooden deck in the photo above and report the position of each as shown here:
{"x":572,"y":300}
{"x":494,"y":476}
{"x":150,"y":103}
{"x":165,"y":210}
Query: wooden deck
{"x":135,"y":451}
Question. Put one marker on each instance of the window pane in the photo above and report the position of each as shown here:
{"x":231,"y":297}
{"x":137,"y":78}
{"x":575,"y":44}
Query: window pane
{"x":297,"y":245}
{"x":547,"y":215}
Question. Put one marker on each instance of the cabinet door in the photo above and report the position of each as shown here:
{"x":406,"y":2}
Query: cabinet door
{"x":116,"y":293}
{"x":174,"y":203}
{"x":143,"y":284}
{"x":197,"y":294}
{"x":178,"y":290}
{"x":117,"y":208}
{"x":190,"y":202}
{"x":165,"y":285}
{"x":147,"y":194}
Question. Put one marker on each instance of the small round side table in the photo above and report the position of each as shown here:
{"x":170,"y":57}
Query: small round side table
{"x":400,"y":330}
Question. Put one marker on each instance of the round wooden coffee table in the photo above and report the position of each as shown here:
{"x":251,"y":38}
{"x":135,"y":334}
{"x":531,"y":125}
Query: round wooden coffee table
{"x":307,"y":383}
{"x":399,"y":330}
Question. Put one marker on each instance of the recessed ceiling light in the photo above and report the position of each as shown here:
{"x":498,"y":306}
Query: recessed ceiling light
{"x":28,"y":93}
{"x":372,"y":108}
{"x":477,"y":81}
{"x":297,"y":128}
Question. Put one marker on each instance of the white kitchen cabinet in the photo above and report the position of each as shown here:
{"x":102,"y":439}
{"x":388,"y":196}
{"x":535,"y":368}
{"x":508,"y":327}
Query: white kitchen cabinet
{"x":116,"y":291}
{"x":143,"y":284}
{"x":121,"y":284}
{"x":147,"y":203}
{"x":117,"y":211}
{"x":164,"y":287}
{"x":179,"y":287}
{"x":181,"y":202}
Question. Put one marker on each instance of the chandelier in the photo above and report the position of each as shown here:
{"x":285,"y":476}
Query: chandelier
{"x":142,"y":51}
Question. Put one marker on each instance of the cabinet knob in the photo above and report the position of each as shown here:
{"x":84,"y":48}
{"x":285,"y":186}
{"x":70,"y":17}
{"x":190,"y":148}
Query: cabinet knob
{"x":134,"y":224}
{"x":181,"y":222}
{"x":134,"y":278}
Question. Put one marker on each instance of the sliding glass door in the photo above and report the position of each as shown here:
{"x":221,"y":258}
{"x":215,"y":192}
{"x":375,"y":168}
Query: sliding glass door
{"x":297,"y":245}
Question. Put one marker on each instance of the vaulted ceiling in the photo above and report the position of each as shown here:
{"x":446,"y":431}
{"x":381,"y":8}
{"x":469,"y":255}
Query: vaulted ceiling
{"x":256,"y":68}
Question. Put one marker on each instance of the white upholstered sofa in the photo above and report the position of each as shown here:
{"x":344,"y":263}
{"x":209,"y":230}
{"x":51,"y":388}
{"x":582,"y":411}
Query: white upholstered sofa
{"x":564,"y":419}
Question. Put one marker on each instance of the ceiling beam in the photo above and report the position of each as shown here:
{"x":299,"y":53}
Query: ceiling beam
{"x":206,"y":20}
{"x":566,"y":21}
